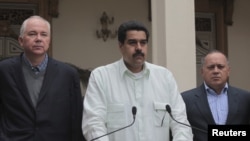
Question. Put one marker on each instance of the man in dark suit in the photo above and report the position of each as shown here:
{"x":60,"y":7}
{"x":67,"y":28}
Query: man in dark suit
{"x":215,"y":102}
{"x":40,"y":97}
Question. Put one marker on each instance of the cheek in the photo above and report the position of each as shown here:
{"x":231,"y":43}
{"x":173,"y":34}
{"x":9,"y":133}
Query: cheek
{"x":47,"y":41}
{"x":25,"y":44}
{"x":27,"y":41}
{"x":206,"y":74}
{"x":127,"y":51}
{"x":227,"y":73}
{"x":145,"y":51}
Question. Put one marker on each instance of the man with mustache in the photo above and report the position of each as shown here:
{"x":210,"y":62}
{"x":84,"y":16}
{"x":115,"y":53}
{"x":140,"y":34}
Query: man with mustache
{"x":132,"y":81}
{"x":215,"y":102}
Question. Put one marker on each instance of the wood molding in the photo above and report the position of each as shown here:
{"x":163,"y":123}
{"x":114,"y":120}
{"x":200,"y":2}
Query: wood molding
{"x":223,"y":10}
{"x":210,"y":5}
{"x":229,"y":8}
{"x":53,"y":8}
{"x":48,"y":9}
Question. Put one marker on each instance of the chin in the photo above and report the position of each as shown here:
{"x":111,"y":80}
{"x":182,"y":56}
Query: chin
{"x":39,"y":52}
{"x":139,"y":63}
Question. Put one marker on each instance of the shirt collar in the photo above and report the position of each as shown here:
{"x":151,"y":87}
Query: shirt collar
{"x":209,"y":90}
{"x":124,"y":70}
{"x":41,"y":67}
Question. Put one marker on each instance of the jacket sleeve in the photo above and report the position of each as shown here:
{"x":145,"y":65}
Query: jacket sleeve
{"x":77,"y":109}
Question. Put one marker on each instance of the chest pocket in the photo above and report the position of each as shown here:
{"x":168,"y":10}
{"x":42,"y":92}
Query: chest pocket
{"x":161,"y":116}
{"x":116,"y":116}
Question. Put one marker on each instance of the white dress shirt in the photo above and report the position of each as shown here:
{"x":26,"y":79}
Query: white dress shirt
{"x":112,"y":92}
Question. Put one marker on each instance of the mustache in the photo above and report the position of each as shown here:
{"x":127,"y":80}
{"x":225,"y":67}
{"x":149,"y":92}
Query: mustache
{"x":138,"y":52}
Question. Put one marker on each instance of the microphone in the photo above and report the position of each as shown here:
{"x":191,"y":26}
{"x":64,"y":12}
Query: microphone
{"x":134,"y":110}
{"x":170,"y":113}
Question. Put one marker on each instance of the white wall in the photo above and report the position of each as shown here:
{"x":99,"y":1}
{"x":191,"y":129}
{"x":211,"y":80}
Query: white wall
{"x":239,"y":45}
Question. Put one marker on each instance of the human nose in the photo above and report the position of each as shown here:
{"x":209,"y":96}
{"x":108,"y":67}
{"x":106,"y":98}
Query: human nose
{"x":38,"y":38}
{"x":216,"y":69}
{"x":138,"y":46}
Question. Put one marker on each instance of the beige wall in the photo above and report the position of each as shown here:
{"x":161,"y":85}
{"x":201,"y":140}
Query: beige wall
{"x":174,"y":42}
{"x":74,"y":31}
{"x":239,"y":45}
{"x":74,"y":38}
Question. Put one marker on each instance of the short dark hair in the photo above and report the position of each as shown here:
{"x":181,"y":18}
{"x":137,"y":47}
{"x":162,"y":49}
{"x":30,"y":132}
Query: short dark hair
{"x":130,"y":25}
{"x":211,"y":51}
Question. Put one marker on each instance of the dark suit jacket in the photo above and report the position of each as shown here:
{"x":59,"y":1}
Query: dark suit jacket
{"x":58,"y":114}
{"x":200,"y":116}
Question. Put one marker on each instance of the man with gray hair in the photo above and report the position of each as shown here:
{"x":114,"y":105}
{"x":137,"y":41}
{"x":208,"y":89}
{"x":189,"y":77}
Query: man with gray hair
{"x":40,"y":97}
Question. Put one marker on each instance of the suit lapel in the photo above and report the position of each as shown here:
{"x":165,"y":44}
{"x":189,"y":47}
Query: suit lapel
{"x":17,"y":72}
{"x":203,"y":106}
{"x":233,"y":104}
{"x":50,"y":74}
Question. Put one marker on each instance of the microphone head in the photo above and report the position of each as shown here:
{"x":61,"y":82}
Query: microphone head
{"x":168,"y":109}
{"x":134,"y":110}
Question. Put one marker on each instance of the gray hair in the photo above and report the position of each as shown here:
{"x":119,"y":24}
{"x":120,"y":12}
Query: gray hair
{"x":24,"y":25}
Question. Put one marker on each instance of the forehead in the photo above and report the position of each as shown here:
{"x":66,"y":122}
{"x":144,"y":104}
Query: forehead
{"x":135,"y":34}
{"x":37,"y":24}
{"x":215,"y":58}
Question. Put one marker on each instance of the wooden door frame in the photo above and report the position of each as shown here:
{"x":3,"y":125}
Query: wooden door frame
{"x":223,"y":10}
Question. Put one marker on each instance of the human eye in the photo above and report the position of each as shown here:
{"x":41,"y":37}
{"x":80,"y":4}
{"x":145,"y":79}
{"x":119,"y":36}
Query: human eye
{"x":44,"y":34}
{"x":132,"y":42}
{"x":31,"y":34}
{"x":210,"y":67}
{"x":221,"y":67}
{"x":143,"y":42}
